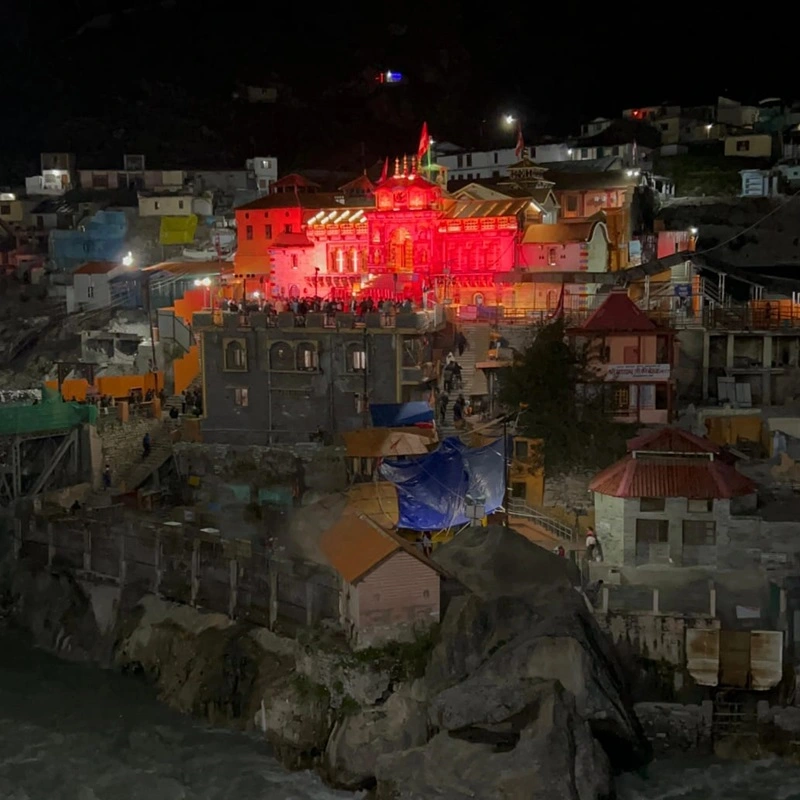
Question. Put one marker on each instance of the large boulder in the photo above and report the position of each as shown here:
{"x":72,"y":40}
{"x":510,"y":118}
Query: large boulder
{"x":498,"y":642}
{"x":359,"y":738}
{"x":543,"y":751}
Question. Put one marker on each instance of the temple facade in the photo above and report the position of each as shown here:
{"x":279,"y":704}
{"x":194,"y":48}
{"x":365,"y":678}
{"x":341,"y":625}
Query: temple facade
{"x":406,"y":237}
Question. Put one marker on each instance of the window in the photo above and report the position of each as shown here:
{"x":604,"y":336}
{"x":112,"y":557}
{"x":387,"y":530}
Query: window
{"x":495,"y":158}
{"x":652,"y":541}
{"x":551,"y":256}
{"x":90,"y":291}
{"x":652,"y":504}
{"x":281,"y":357}
{"x":248,"y":232}
{"x":180,"y":204}
{"x":268,"y":231}
{"x":469,"y":159}
{"x":460,"y":161}
{"x":307,"y":357}
{"x":518,"y":490}
{"x":520,"y":449}
{"x":621,"y":399}
{"x":495,"y":173}
{"x":572,"y":203}
{"x":356,"y":357}
{"x":699,"y":533}
{"x":287,"y":228}
{"x":294,"y":261}
{"x":156,"y":205}
{"x":584,"y":152}
{"x":235,"y":355}
{"x":742,"y":146}
{"x":663,"y":126}
{"x":5,"y":211}
{"x":699,"y":506}
{"x":662,"y":396}
{"x":240,"y":397}
{"x":615,"y":150}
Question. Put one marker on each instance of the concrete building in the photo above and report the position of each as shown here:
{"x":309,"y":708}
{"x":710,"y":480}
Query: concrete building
{"x":177,"y":203}
{"x":470,"y":165}
{"x":133,"y":176}
{"x":633,"y":358}
{"x":390,"y":591}
{"x":282,"y":378}
{"x":672,"y":500}
{"x":91,"y":286}
{"x":265,"y":170}
{"x":750,"y":145}
{"x":56,"y":176}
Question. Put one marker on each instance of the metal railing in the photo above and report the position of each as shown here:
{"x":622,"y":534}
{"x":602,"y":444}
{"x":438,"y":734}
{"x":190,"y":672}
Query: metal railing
{"x":519,"y":508}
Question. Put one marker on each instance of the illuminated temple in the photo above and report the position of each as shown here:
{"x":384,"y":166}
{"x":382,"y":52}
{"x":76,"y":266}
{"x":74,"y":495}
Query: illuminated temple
{"x":407,"y":237}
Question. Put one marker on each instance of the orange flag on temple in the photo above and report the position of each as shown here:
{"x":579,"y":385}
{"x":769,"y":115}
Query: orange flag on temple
{"x":424,"y":141}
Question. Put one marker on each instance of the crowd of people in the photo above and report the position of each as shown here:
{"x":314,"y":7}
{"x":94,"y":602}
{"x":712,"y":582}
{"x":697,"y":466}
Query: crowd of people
{"x":301,"y":306}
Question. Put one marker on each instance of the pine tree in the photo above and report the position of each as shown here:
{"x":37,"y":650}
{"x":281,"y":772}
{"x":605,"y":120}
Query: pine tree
{"x":563,"y":404}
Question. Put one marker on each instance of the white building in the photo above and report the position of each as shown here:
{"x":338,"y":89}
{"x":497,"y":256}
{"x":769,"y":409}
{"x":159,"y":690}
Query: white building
{"x":166,"y":204}
{"x":470,"y":165}
{"x":265,"y":171}
{"x":133,"y":175}
{"x":91,"y":285}
{"x":56,"y":177}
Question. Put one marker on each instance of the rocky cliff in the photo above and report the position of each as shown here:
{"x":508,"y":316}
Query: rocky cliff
{"x":520,"y":696}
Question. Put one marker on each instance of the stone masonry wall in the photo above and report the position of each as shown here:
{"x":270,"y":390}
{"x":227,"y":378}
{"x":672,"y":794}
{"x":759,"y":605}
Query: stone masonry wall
{"x":673,"y":727}
{"x":122,"y":441}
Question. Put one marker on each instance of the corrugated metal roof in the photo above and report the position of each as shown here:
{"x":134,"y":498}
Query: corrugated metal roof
{"x":187,"y":268}
{"x":655,"y":475}
{"x":618,"y":313}
{"x":673,"y":440}
{"x":474,"y":209}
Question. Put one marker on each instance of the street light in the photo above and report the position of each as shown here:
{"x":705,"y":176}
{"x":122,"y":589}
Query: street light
{"x":510,"y":119}
{"x":127,"y":261}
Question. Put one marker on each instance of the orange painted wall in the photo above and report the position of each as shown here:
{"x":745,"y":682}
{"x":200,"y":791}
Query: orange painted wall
{"x":253,"y":241}
{"x":186,"y":369}
{"x":118,"y":386}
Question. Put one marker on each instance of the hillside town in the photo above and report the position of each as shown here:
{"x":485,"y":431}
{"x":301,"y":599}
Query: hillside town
{"x":358,"y":412}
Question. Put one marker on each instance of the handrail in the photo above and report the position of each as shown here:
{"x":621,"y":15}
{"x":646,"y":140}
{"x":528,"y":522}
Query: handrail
{"x":519,"y":508}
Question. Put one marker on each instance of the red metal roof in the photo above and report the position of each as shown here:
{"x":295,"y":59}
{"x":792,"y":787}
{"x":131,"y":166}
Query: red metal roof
{"x":617,"y":314}
{"x":284,"y":239}
{"x":673,"y":463}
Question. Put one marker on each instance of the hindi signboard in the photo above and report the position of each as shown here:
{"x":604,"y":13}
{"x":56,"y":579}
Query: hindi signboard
{"x":622,"y":373}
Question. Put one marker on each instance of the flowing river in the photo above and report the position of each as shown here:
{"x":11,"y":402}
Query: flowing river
{"x":74,"y":732}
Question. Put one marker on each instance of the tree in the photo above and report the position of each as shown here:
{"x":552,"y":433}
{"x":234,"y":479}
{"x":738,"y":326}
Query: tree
{"x":552,"y":382}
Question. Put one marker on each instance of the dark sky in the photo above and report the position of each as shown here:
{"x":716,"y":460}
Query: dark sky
{"x":102,"y":78}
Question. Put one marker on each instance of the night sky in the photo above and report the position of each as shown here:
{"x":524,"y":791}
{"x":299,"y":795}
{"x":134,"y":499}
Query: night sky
{"x":160,"y":78}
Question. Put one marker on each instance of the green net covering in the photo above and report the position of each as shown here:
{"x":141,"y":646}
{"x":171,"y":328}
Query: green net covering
{"x":51,"y":414}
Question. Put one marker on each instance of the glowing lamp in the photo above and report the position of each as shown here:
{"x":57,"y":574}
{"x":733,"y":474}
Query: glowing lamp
{"x":693,"y":231}
{"x":127,"y":261}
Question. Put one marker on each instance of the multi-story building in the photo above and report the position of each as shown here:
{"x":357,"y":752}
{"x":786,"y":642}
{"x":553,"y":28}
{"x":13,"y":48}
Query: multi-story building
{"x":133,"y":176}
{"x":391,"y":240}
{"x":633,"y":360}
{"x":56,"y":177}
{"x":284,"y":378}
{"x":469,"y":165}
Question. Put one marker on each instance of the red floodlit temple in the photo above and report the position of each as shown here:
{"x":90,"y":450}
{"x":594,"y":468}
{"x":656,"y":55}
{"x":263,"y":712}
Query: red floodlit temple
{"x":400,"y":238}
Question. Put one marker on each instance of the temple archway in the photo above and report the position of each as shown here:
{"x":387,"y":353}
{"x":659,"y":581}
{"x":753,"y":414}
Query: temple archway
{"x":401,"y":250}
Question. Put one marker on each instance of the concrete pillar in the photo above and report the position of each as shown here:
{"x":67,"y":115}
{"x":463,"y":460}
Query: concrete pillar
{"x":17,"y":538}
{"x":273,"y":596}
{"x":51,"y":544}
{"x":729,"y":348}
{"x":233,"y":587}
{"x":157,"y":560}
{"x":309,"y":604}
{"x":87,"y":549}
{"x":195,"y":571}
{"x":712,"y":601}
{"x":766,"y":375}
{"x":604,"y":599}
{"x":123,"y":563}
{"x":655,"y":602}
{"x":706,"y":362}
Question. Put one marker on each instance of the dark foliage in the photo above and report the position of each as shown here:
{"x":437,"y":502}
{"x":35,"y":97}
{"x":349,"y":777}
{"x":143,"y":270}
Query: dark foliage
{"x":552,"y":381}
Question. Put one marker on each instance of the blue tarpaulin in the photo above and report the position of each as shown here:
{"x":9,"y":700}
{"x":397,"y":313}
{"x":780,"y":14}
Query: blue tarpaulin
{"x":399,"y":415}
{"x":432,"y":490}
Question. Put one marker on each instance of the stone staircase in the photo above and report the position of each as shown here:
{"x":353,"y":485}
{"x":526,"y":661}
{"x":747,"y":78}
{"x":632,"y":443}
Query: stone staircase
{"x":140,"y":469}
{"x":474,"y":380}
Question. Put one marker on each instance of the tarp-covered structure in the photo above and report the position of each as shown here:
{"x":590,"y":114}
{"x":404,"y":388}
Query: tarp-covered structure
{"x":50,"y":415}
{"x":432,"y":490}
{"x":400,"y":415}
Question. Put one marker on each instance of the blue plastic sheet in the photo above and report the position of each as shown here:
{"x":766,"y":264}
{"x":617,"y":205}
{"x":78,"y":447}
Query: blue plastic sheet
{"x":432,"y":490}
{"x":399,"y":415}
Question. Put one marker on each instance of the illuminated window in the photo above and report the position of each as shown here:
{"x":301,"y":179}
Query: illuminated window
{"x":355,"y":259}
{"x":621,"y":398}
{"x":294,"y":262}
{"x":551,"y":256}
{"x":235,"y":356}
{"x":307,"y":357}
{"x":240,"y":397}
{"x":356,"y":357}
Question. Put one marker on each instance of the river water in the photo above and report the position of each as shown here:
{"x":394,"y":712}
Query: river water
{"x":74,"y":732}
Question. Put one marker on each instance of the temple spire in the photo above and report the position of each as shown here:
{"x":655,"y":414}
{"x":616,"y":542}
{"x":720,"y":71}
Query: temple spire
{"x":405,"y":166}
{"x":397,"y":166}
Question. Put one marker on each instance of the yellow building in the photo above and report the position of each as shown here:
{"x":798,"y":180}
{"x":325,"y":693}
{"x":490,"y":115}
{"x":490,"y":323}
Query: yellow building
{"x":751,"y":145}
